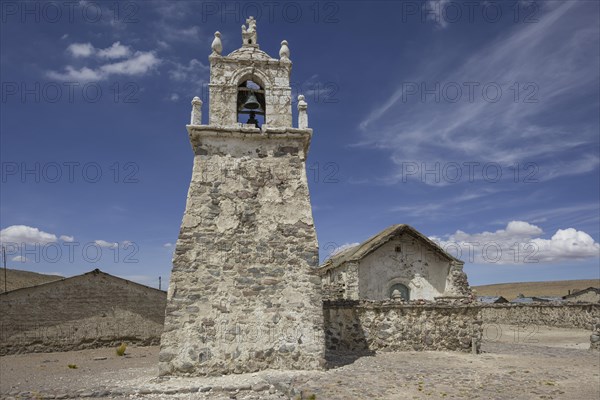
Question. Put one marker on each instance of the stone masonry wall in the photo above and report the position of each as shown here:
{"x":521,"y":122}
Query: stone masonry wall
{"x":90,"y":310}
{"x":361,"y":326}
{"x":244,"y":295}
{"x":583,"y":316}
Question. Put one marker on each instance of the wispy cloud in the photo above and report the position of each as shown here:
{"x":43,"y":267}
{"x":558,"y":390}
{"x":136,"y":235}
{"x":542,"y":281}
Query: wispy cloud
{"x":546,"y":63}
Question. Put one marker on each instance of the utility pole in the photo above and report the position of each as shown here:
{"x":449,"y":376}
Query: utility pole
{"x":4,"y":259}
{"x":159,"y":282}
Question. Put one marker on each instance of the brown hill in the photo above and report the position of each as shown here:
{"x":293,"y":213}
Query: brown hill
{"x":16,"y":279}
{"x":528,"y":289}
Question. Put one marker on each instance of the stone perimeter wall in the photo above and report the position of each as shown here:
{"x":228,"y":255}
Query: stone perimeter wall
{"x":363,"y":326}
{"x":584,"y":316}
{"x":90,"y":310}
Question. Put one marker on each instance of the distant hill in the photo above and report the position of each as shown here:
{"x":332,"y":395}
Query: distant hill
{"x":528,"y":289}
{"x":17,"y":279}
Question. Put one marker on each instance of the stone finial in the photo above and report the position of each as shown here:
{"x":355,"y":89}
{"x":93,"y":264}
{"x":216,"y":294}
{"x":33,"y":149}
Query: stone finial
{"x":302,"y":114}
{"x":217,"y":46}
{"x":196,"y":118}
{"x":396,"y":295}
{"x":249,"y":35}
{"x":284,"y":52}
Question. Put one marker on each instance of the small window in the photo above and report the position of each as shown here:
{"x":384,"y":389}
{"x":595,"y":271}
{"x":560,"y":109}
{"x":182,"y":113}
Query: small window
{"x":398,"y":249}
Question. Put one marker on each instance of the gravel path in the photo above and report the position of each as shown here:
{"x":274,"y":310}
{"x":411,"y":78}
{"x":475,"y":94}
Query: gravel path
{"x":556,"y":365}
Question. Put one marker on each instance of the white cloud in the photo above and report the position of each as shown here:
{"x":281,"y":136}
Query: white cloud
{"x":116,"y":50}
{"x":81,"y":49}
{"x":167,"y":245}
{"x":188,"y":73}
{"x":66,"y":238}
{"x":136,"y":63}
{"x":104,"y":243}
{"x":174,"y":97}
{"x":84,"y":74}
{"x":139,"y":64}
{"x":25,"y":234}
{"x":20,"y":259}
{"x":63,"y":37}
{"x":434,"y":11}
{"x":520,"y":243}
{"x":567,"y":244}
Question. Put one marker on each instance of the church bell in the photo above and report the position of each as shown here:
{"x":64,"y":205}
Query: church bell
{"x":252,"y":103}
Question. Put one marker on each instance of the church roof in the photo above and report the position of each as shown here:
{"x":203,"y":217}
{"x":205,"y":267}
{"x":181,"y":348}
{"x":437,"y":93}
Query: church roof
{"x":360,"y":251}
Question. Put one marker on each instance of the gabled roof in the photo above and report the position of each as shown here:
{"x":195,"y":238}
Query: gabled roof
{"x":95,"y":272}
{"x":360,"y":251}
{"x":592,"y":289}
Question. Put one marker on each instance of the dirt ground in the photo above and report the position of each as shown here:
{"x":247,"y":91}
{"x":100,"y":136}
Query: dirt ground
{"x":516,"y":363}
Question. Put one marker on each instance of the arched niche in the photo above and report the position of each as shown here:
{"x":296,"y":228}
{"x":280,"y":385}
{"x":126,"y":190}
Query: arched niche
{"x":251,"y":106}
{"x":401,"y":288}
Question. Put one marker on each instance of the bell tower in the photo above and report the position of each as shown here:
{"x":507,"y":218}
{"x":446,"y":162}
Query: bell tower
{"x":243,"y":294}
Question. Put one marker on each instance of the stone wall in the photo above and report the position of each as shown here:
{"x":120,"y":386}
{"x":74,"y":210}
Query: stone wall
{"x":595,"y":338}
{"x":243,"y":294}
{"x":362,"y":326}
{"x":90,"y":310}
{"x":423,"y":272}
{"x":583,"y":316}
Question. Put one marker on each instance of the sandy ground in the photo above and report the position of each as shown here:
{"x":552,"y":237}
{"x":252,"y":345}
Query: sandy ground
{"x":550,"y":363}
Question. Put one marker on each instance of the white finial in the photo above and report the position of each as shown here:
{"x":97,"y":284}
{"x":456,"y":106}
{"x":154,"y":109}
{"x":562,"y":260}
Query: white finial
{"x":217,"y":46}
{"x":284,"y":52}
{"x":302,"y":114}
{"x":249,"y":35}
{"x":196,"y":118}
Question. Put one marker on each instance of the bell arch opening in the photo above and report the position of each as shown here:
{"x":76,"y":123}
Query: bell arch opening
{"x":251,"y":107}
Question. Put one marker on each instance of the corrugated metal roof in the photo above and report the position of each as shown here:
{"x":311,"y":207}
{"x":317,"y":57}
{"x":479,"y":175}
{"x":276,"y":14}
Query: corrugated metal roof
{"x":491,"y":299}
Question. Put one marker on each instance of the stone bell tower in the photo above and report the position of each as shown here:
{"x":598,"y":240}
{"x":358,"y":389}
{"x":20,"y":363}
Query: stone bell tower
{"x":243,"y":294}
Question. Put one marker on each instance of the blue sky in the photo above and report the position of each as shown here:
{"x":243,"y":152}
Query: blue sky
{"x":477,"y":123}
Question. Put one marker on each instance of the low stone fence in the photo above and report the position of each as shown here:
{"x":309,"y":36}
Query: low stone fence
{"x":363,"y":326}
{"x":583,"y":316}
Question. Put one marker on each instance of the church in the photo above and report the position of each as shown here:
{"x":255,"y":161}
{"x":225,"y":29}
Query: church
{"x":399,"y":263}
{"x":245,"y":292}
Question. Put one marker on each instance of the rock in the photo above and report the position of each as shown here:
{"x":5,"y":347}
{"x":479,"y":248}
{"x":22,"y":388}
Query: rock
{"x":259,"y":387}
